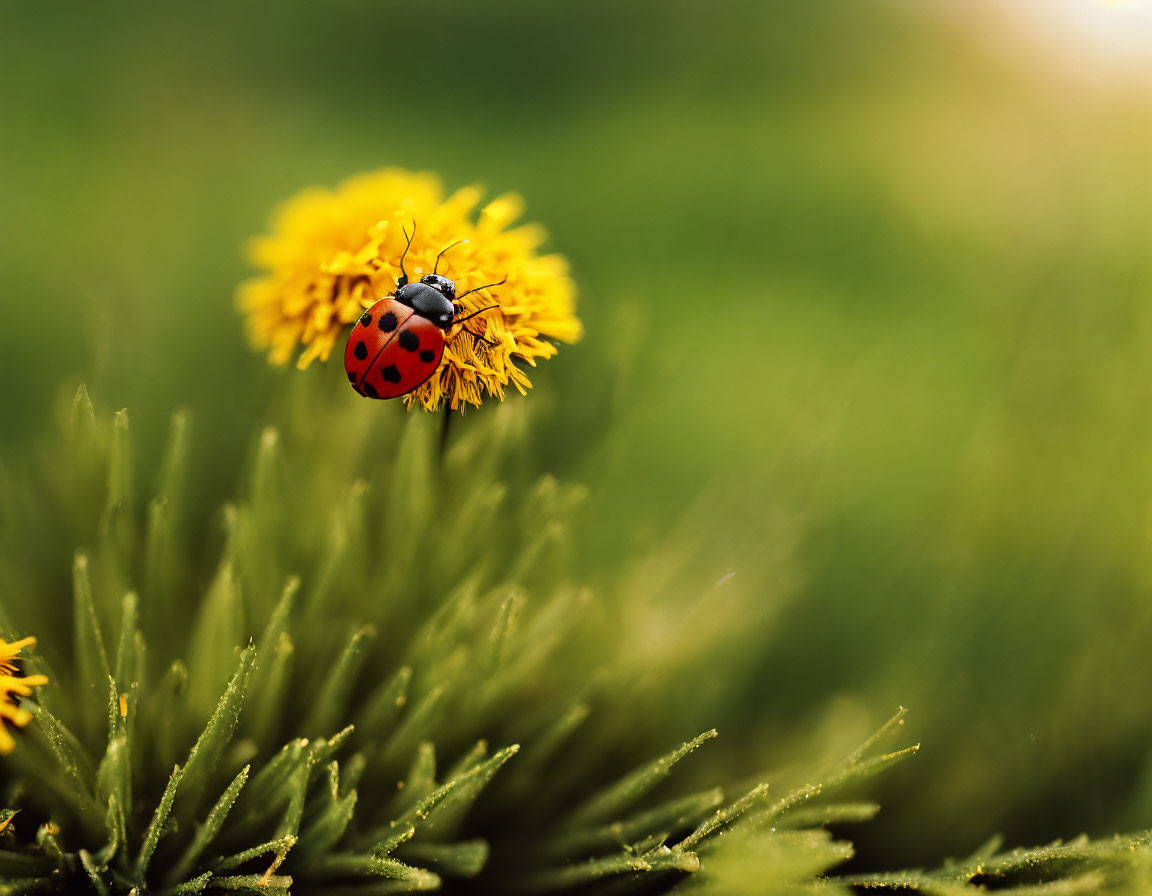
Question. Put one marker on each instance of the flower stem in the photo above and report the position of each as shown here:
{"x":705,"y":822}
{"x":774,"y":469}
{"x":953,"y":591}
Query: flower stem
{"x":444,"y":430}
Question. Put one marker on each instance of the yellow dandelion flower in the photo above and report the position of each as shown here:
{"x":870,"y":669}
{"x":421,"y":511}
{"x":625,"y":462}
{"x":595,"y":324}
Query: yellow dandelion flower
{"x":333,"y":253}
{"x":14,"y":685}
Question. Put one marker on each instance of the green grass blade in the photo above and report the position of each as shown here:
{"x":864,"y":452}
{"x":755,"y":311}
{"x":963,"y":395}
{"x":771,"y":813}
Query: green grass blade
{"x":268,"y":783}
{"x":209,"y":747}
{"x":322,"y":835}
{"x":601,"y":807}
{"x":192,"y":887}
{"x":266,"y":885}
{"x":419,"y":782}
{"x":91,"y":658}
{"x":206,"y":832}
{"x":611,"y":866}
{"x":383,"y":708}
{"x":278,"y":847}
{"x":722,"y":818}
{"x":71,"y":755}
{"x":217,"y":630}
{"x":95,"y":873}
{"x":446,"y":816}
{"x":82,"y":419}
{"x":354,"y":865}
{"x":673,"y":816}
{"x":331,"y":703}
{"x":466,"y":859}
{"x":159,"y":821}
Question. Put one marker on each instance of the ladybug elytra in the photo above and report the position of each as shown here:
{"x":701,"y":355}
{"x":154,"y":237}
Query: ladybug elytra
{"x":398,"y":343}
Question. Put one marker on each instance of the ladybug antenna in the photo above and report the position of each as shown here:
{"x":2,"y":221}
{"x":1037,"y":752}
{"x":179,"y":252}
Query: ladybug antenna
{"x":485,"y":286}
{"x":407,"y":246}
{"x":442,"y":251}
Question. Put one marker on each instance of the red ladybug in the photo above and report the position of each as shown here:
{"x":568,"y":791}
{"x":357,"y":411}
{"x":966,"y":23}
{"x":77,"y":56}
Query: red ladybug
{"x":397,"y":344}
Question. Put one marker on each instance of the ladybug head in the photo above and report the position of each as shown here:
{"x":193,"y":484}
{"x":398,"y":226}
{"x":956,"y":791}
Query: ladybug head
{"x":441,"y":283}
{"x":433,"y":297}
{"x":428,"y":301}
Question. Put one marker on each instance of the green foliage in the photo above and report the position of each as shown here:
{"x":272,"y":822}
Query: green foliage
{"x":307,"y":698}
{"x":387,"y":684}
{"x":1120,"y":864}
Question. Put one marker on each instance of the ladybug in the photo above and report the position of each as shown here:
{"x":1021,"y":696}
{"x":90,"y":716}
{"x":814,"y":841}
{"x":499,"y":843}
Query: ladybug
{"x":398,"y":343}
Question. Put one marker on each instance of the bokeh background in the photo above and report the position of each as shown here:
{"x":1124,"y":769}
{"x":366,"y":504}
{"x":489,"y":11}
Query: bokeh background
{"x":865,"y":283}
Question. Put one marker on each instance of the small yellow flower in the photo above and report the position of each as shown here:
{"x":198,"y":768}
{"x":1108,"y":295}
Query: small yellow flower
{"x":333,"y":253}
{"x":10,"y":685}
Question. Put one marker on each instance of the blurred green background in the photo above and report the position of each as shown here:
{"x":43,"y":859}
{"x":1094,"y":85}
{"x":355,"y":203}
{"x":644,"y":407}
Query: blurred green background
{"x":880,"y":270}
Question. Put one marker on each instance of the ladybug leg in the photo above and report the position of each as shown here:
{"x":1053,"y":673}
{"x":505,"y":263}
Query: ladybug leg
{"x":475,"y":336}
{"x":474,"y":313}
{"x":478,"y":338}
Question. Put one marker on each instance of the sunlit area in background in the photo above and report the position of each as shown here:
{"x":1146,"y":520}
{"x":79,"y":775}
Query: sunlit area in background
{"x":1104,"y":41}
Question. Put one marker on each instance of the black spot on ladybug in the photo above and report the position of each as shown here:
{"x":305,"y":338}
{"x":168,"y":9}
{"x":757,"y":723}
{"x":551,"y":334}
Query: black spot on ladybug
{"x":365,"y":319}
{"x":409,"y":341}
{"x":371,"y":390}
{"x":391,"y":373}
{"x":387,"y":322}
{"x":427,"y":355}
{"x":352,"y":377}
{"x":361,"y":351}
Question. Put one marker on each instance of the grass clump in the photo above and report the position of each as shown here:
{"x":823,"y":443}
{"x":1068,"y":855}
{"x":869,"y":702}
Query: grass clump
{"x":374,"y":671}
